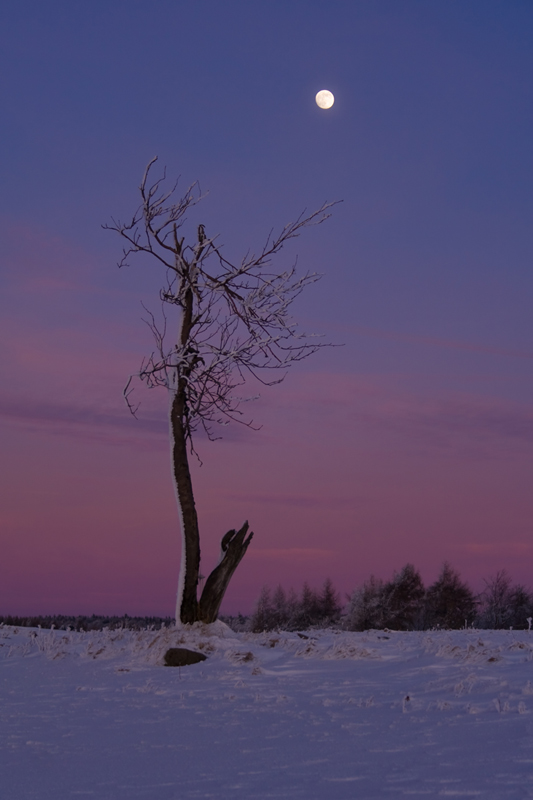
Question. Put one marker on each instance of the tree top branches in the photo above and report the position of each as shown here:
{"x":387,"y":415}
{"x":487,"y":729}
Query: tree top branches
{"x":234,"y":317}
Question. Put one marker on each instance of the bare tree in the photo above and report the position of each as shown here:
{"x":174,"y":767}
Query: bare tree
{"x":504,"y":604}
{"x":233,"y":322}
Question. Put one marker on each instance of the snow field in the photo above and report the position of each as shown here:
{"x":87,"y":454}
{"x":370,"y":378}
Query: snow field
{"x":332,"y":715}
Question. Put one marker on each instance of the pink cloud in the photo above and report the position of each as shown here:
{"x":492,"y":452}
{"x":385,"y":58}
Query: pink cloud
{"x":76,"y":420}
{"x":291,"y":553}
{"x":501,"y":549}
{"x":432,"y":341}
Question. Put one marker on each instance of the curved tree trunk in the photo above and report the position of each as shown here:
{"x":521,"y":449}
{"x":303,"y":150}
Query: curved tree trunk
{"x":187,"y":601}
{"x":234,"y":545}
{"x":187,"y":610}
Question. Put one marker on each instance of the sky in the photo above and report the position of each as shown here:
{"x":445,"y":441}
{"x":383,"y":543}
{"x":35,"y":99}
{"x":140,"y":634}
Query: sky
{"x":411,"y":441}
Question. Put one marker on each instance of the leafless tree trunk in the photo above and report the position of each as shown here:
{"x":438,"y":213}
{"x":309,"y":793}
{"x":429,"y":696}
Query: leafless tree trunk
{"x":189,"y":518}
{"x":233,"y":322}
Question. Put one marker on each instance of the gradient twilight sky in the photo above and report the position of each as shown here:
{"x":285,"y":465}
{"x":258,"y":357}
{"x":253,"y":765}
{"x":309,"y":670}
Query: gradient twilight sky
{"x":414,"y":441}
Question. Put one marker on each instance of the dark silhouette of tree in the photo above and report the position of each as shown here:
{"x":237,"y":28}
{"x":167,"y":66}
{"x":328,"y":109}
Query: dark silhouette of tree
{"x":330,"y":607}
{"x":232,"y":321}
{"x":280,"y":616}
{"x":521,"y":607}
{"x":449,"y":601}
{"x":263,"y":618}
{"x":308,"y":610}
{"x":366,"y":610}
{"x":403,"y":600}
{"x":503,"y":605}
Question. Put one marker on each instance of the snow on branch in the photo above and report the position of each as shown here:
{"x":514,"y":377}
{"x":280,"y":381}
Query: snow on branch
{"x":234,"y":318}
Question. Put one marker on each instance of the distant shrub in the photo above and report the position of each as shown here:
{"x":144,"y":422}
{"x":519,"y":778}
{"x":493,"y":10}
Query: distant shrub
{"x":282,"y":611}
{"x":502,"y":605}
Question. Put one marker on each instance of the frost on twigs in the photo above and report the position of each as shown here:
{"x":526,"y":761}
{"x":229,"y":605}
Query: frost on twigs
{"x":222,"y":322}
{"x":234,"y":318}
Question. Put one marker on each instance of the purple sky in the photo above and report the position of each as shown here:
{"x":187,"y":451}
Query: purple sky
{"x":413,"y":441}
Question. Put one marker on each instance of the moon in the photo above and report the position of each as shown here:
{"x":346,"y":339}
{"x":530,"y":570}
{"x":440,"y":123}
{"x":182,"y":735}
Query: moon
{"x":324,"y":98}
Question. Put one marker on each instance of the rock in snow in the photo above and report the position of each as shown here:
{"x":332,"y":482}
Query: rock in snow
{"x":181,"y":657}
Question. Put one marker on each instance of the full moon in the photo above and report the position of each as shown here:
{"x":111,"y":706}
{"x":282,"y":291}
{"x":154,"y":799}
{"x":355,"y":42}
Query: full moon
{"x":324,"y":99}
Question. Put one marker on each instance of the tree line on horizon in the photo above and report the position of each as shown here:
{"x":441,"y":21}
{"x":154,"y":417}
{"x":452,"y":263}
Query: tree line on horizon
{"x":289,"y":611}
{"x":402,"y":603}
{"x":95,"y":622}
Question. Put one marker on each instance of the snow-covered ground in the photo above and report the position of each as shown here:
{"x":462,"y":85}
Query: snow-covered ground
{"x":335,"y":715}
